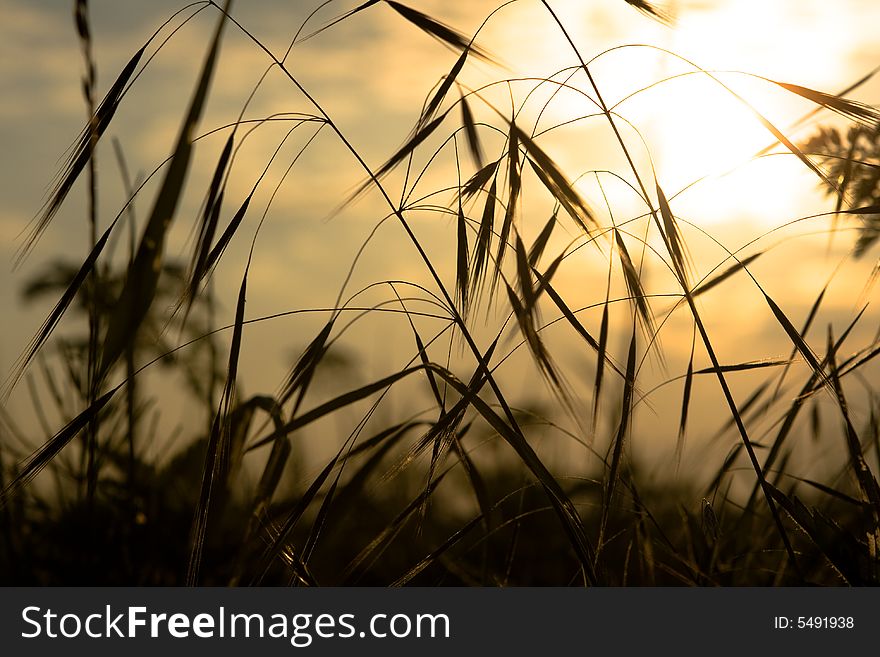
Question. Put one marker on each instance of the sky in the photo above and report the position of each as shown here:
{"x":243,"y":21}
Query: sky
{"x":371,"y":74}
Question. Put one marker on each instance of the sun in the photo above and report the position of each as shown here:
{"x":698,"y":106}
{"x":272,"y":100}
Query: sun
{"x":702,"y":132}
{"x":713,"y":148}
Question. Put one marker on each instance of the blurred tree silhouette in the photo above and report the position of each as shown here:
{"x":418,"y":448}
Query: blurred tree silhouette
{"x":118,"y":534}
{"x":852,"y":159}
{"x":151,"y":341}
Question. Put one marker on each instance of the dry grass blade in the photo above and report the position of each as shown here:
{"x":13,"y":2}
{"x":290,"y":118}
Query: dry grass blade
{"x":470,"y":131}
{"x":432,"y":380}
{"x":227,"y":235}
{"x":80,"y":15}
{"x":438,"y":552}
{"x":303,"y":371}
{"x":524,"y":275}
{"x":557,"y":184}
{"x":803,"y":119}
{"x":525,"y":320}
{"x":442,"y":442}
{"x":600,"y":366}
{"x":871,"y":355}
{"x":814,"y":309}
{"x":339,"y":19}
{"x":710,"y":523}
{"x":143,"y":274}
{"x":394,"y":433}
{"x":798,"y":402}
{"x":867,"y":209}
{"x":412,"y":143}
{"x":685,"y":405}
{"x":545,"y":278}
{"x":444,"y":431}
{"x":562,"y":504}
{"x":853,"y":110}
{"x":867,"y":482}
{"x":797,"y":152}
{"x":208,"y":227}
{"x":828,"y":490}
{"x":321,"y":520}
{"x":278,"y":457}
{"x":540,"y":243}
{"x":575,"y":323}
{"x":438,"y":97}
{"x":217,"y":457}
{"x":478,"y":181}
{"x":390,"y":531}
{"x":617,"y":445}
{"x":727,"y":273}
{"x":240,"y":422}
{"x":484,"y":241}
{"x":796,"y":338}
{"x":841,"y":549}
{"x":51,"y":322}
{"x":462,"y":285}
{"x":278,"y":542}
{"x":82,"y":153}
{"x":743,"y":367}
{"x":728,"y":463}
{"x":477,"y":483}
{"x":644,"y":544}
{"x":443,"y":33}
{"x":335,"y":404}
{"x":45,"y":454}
{"x":378,"y":447}
{"x":672,"y":237}
{"x":514,"y":185}
{"x":651,"y":10}
{"x":634,"y":285}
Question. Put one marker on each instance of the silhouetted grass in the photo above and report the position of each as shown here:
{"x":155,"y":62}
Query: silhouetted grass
{"x":461,"y":488}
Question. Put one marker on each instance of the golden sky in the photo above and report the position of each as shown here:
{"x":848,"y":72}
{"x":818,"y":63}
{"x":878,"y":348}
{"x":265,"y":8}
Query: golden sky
{"x":372,"y":74}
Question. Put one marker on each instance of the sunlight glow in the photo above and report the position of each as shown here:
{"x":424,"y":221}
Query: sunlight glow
{"x":700,"y":130}
{"x":706,"y":136}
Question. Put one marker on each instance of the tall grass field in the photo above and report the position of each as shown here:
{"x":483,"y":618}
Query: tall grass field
{"x":425,"y":293}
